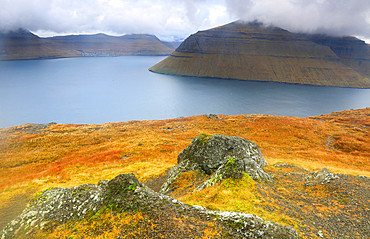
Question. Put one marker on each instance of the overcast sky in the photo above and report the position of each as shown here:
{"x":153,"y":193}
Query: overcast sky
{"x":178,"y":19}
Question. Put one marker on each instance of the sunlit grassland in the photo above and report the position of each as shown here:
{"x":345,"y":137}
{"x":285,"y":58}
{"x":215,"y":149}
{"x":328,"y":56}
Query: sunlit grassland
{"x":65,"y":155}
{"x":236,"y":195}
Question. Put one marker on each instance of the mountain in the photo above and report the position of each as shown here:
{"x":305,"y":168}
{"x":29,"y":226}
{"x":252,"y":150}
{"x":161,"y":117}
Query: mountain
{"x":136,"y":44}
{"x":250,"y":51}
{"x":352,"y":52}
{"x":23,"y":44}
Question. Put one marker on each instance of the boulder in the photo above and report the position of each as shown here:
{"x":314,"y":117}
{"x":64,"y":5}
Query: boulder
{"x":125,"y":194}
{"x":220,"y":157}
{"x":320,"y":177}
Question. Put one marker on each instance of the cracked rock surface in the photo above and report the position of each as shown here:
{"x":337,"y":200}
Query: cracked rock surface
{"x":220,"y":157}
{"x":125,"y":193}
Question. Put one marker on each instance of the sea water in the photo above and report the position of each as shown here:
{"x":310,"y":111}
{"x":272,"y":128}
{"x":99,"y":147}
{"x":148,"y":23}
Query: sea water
{"x":113,"y":89}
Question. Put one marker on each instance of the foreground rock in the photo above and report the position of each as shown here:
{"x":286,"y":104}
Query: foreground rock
{"x":125,"y":194}
{"x":220,"y":157}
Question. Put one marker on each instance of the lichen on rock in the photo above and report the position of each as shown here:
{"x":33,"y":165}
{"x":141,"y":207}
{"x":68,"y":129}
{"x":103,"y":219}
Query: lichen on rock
{"x":125,"y":194}
{"x":59,"y":205}
{"x":220,"y":157}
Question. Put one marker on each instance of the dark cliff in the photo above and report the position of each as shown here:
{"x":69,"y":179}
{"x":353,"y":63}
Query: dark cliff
{"x":254,"y":52}
{"x":352,"y":52}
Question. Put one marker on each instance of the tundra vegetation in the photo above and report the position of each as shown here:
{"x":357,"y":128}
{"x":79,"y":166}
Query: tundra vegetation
{"x":34,"y":158}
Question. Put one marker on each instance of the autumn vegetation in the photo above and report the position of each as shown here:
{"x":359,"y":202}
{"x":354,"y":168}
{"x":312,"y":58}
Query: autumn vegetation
{"x":37,"y":157}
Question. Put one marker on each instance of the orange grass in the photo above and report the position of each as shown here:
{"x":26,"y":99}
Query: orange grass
{"x":235,"y":195}
{"x":109,"y":225}
{"x":69,"y":155}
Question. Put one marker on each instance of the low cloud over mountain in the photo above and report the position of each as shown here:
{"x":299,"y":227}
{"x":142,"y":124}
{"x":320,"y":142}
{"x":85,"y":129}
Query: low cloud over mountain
{"x":178,"y":19}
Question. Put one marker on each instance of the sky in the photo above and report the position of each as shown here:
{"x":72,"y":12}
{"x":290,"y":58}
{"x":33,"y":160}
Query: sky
{"x":176,"y":19}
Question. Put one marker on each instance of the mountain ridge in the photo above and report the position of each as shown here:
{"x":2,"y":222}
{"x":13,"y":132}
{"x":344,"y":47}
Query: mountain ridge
{"x":254,"y":52}
{"x":22,"y":44}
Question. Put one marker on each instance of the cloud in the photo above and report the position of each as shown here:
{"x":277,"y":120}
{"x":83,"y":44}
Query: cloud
{"x":334,"y":17}
{"x":179,"y":18}
{"x":159,"y":17}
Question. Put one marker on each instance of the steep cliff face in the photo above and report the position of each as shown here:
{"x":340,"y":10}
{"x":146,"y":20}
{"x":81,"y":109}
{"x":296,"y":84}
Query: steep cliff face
{"x":22,"y":44}
{"x":254,"y":52}
{"x":352,"y":52}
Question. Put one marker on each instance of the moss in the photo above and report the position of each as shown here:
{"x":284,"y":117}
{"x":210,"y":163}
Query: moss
{"x":98,"y":214}
{"x":230,"y":162}
{"x":203,"y":139}
{"x":236,"y":224}
{"x":37,"y":196}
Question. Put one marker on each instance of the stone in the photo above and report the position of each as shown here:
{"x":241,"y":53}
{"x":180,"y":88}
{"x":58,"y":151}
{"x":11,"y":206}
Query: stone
{"x":320,"y":177}
{"x":125,"y":193}
{"x":220,"y":157}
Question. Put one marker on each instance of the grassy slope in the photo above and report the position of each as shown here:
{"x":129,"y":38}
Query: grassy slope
{"x":251,"y":52}
{"x":69,"y":155}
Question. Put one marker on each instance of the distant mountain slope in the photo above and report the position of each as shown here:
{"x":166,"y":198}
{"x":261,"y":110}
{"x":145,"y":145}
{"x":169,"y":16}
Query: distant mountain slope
{"x":23,"y":44}
{"x":352,"y":52}
{"x":253,"y":52}
{"x":136,"y":44}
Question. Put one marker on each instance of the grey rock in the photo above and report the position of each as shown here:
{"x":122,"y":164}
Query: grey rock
{"x":242,"y":225}
{"x":212,"y":117}
{"x":221,"y":157}
{"x":320,"y":177}
{"x":55,"y":205}
{"x":289,"y":165}
{"x":125,"y":193}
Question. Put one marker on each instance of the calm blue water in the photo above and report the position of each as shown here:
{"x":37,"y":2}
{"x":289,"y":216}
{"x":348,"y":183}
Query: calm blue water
{"x":100,"y":90}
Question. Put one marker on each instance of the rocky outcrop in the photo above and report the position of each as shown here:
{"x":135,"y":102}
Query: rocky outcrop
{"x":320,"y":177}
{"x":220,"y":157}
{"x":125,"y":194}
{"x":254,"y":52}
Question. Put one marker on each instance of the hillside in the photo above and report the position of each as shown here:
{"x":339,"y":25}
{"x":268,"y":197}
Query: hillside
{"x":254,"y":52}
{"x":351,"y":51}
{"x":38,"y":157}
{"x":23,"y":44}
